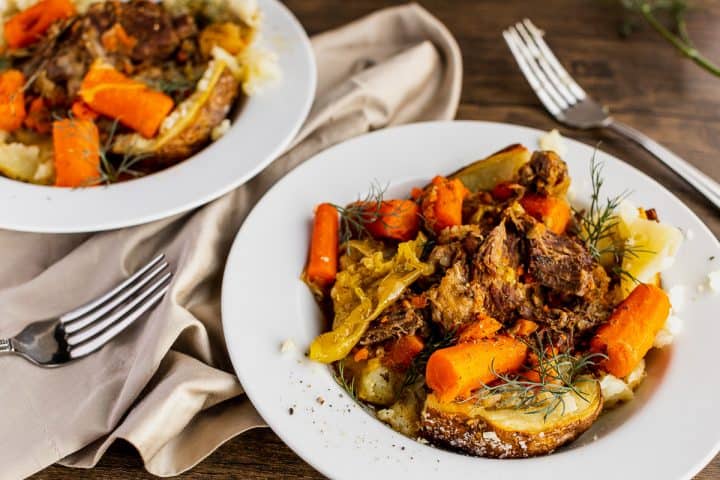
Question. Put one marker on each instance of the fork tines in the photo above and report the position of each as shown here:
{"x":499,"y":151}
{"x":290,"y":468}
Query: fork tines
{"x":551,"y":82}
{"x":91,"y":326}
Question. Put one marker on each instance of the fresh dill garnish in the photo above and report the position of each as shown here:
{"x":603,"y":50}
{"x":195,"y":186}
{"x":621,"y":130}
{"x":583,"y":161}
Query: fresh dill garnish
{"x":597,"y":225}
{"x":340,"y":378}
{"x":111,"y":173}
{"x":175,"y":87}
{"x":599,"y":221}
{"x":355,"y":217}
{"x":558,"y":373}
{"x":438,"y":339}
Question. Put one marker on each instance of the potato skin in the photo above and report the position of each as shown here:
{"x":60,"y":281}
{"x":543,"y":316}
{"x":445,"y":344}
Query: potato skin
{"x":197,"y":134}
{"x":474,"y":434}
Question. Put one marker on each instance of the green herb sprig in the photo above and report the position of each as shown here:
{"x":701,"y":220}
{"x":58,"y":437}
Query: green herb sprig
{"x":559,"y":373}
{"x":355,"y":217}
{"x":676,"y":33}
{"x":341,"y":379}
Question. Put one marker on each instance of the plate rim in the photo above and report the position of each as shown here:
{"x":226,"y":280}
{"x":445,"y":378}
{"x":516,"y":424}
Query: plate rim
{"x":228,"y":272}
{"x":38,"y":194}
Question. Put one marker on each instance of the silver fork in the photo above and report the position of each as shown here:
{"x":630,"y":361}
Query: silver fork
{"x":570,"y":105}
{"x":56,"y":341}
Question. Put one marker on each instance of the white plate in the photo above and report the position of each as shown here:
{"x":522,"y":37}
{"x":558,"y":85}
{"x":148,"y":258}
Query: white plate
{"x":670,"y":431}
{"x":265,"y":125}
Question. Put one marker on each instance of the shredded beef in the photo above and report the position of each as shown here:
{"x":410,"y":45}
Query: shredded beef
{"x":546,"y":173}
{"x":400,"y":319}
{"x":559,"y":262}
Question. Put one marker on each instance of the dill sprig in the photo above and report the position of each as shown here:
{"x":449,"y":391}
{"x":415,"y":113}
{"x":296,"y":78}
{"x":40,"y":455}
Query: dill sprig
{"x":355,"y":217}
{"x":109,"y":172}
{"x":597,"y":225}
{"x":558,"y":372}
{"x":599,"y":221}
{"x":438,"y":339}
{"x":341,"y":379}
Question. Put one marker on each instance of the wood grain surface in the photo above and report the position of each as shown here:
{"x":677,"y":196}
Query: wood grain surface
{"x":644,"y":82}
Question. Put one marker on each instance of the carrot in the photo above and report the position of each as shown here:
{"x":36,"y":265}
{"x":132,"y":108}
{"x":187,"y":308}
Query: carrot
{"x":12,"y":100}
{"x":396,"y":219}
{"x":132,"y":103}
{"x":442,"y":203}
{"x":483,"y":327}
{"x":117,"y":39}
{"x":76,"y":145}
{"x":456,"y":371}
{"x":28,"y":26}
{"x":523,"y":327}
{"x":554,"y":212}
{"x":503,"y":191}
{"x":403,"y":350}
{"x":38,"y":117}
{"x":82,"y":111}
{"x":361,"y":354}
{"x":631,"y":329}
{"x":322,"y":265}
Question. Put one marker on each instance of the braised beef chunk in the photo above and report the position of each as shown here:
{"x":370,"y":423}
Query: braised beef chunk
{"x":398,"y":320}
{"x":451,"y":301}
{"x":559,"y":262}
{"x":546,"y":173}
{"x":496,"y":285}
{"x":145,"y":21}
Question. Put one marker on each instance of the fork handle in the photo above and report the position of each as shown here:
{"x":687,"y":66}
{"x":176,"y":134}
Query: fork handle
{"x":6,"y":346}
{"x":708,"y":187}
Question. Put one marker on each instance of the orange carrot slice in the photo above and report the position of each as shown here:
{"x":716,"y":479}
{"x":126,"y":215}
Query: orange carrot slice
{"x":442,"y":203}
{"x":76,"y":146}
{"x":28,"y":26}
{"x":483,"y":327}
{"x":322,"y":264}
{"x":554,"y":212}
{"x":396,"y":219}
{"x":456,"y":371}
{"x":631,"y":329}
{"x":12,"y":100}
{"x":401,"y":353}
{"x":132,"y":103}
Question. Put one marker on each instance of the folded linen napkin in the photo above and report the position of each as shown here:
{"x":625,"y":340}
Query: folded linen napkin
{"x":166,"y":384}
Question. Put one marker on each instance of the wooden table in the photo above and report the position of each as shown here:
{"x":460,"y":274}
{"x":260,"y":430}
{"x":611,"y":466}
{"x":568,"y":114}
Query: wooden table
{"x":645,"y":83}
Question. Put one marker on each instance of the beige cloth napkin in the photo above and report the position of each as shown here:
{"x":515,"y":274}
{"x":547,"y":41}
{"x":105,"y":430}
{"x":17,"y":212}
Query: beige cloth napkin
{"x":166,"y":384}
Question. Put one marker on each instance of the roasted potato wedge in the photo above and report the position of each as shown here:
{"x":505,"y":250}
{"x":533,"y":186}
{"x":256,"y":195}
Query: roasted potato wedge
{"x":508,"y":432}
{"x":499,"y":167}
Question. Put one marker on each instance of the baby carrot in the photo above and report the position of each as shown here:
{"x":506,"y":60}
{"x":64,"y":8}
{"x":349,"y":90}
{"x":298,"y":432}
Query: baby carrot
{"x":322,"y":263}
{"x":456,"y":371}
{"x":631,"y":329}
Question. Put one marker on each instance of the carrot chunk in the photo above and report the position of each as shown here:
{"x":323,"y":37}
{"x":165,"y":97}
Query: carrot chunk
{"x":524,"y":327}
{"x":456,"y":371}
{"x":483,"y":327}
{"x":442,"y":203}
{"x":402,"y":352}
{"x":82,"y":111}
{"x":132,"y":103}
{"x":12,"y":100}
{"x":631,"y":329}
{"x":322,"y":264}
{"x":76,"y":145}
{"x":38,"y":117}
{"x":554,"y":212}
{"x":396,"y":219}
{"x":28,"y":26}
